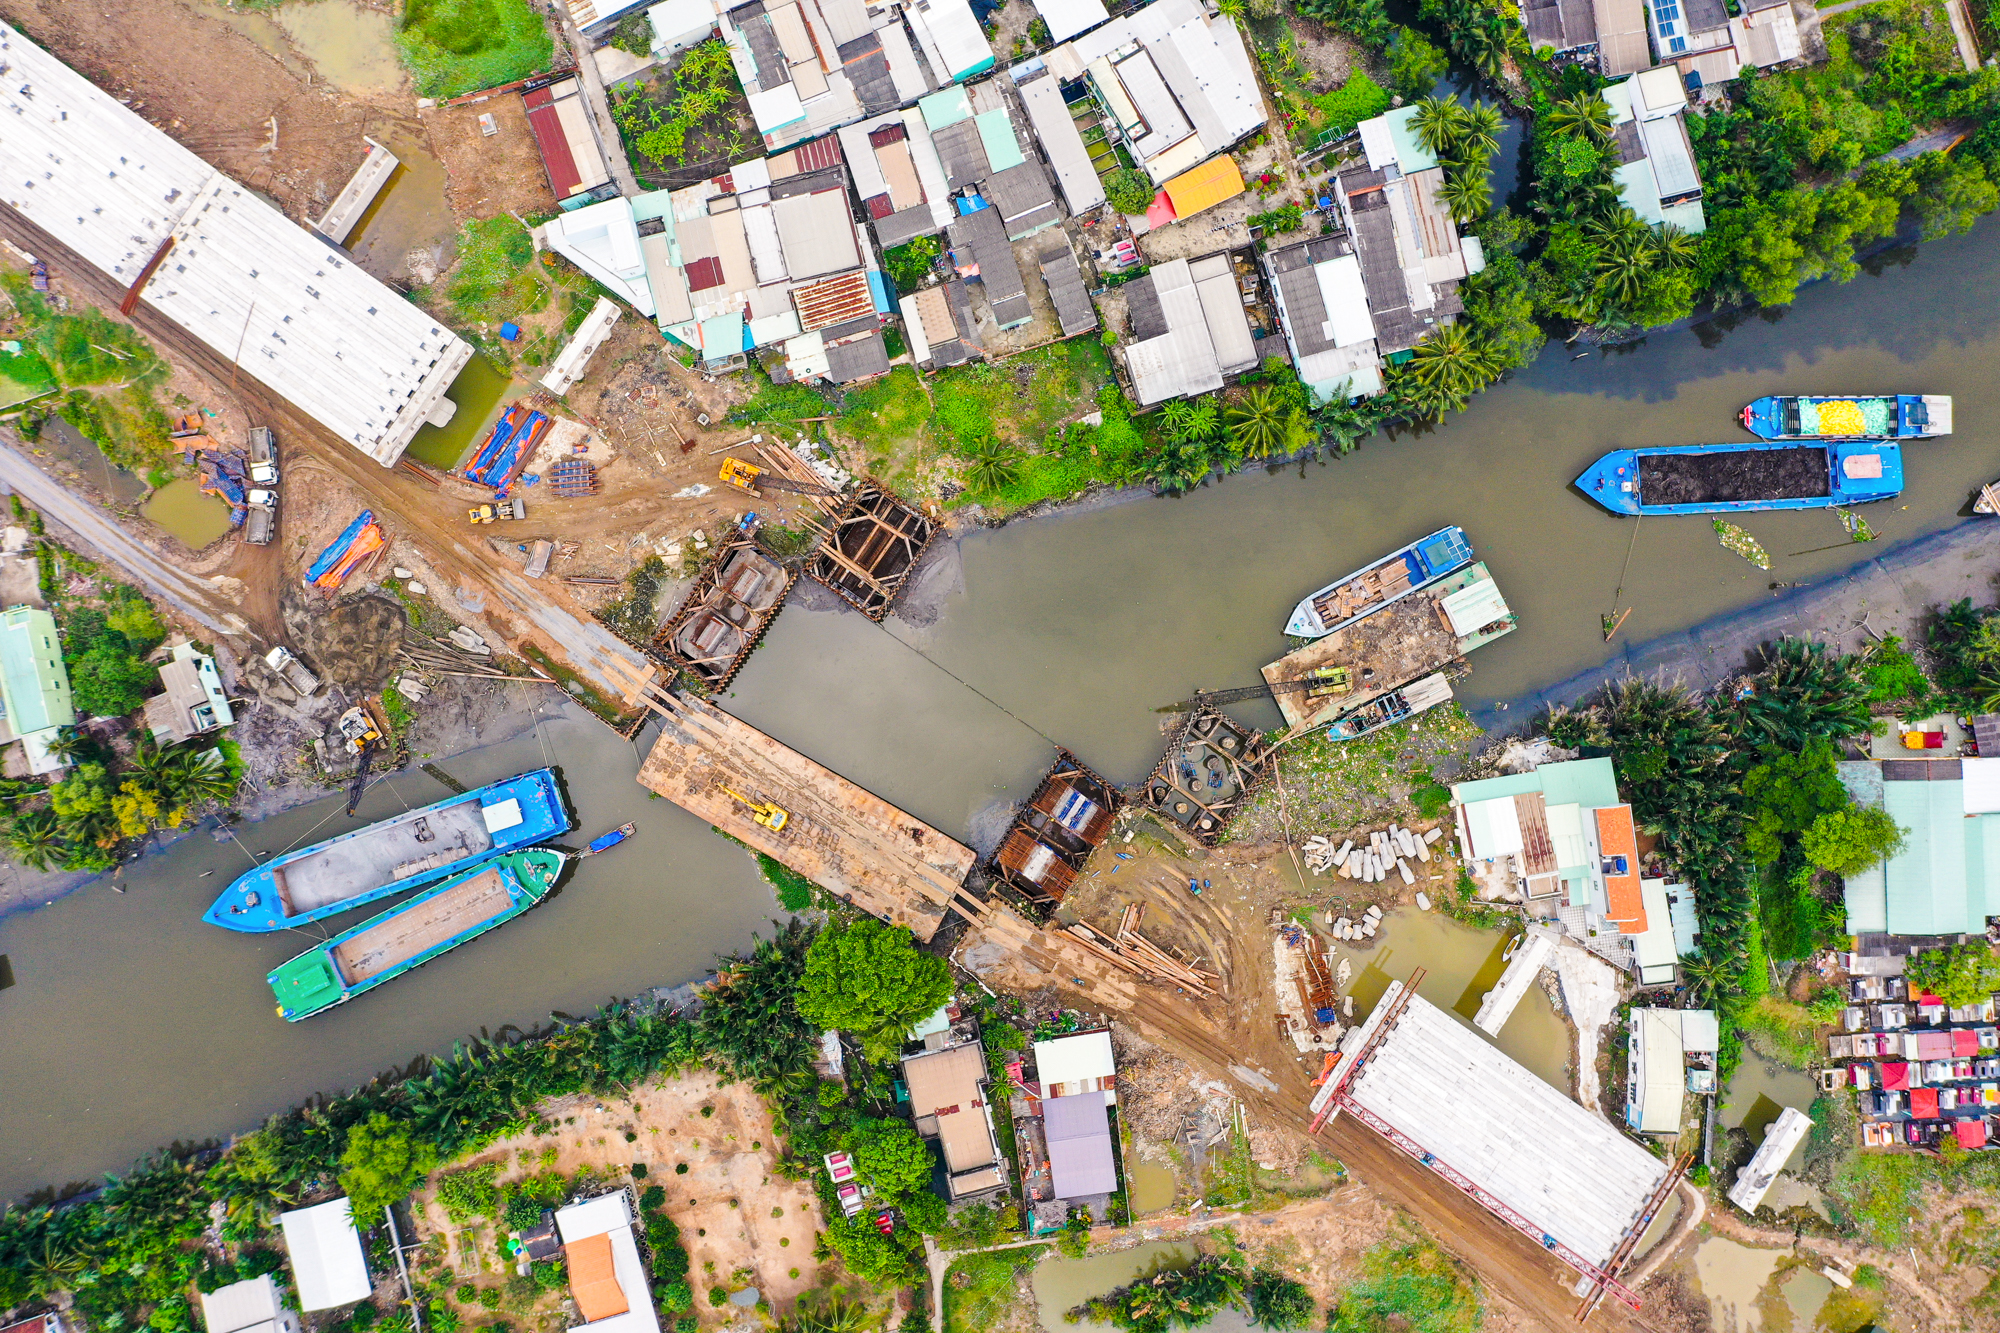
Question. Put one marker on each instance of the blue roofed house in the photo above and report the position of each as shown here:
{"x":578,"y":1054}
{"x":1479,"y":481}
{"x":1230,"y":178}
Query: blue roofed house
{"x":1656,"y":174}
{"x":34,"y":685}
{"x":1946,"y":879}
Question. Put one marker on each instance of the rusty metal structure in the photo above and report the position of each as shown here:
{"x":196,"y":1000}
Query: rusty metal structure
{"x":1212,"y":765}
{"x":871,"y":545}
{"x":732,"y":603}
{"x":1053,"y":834}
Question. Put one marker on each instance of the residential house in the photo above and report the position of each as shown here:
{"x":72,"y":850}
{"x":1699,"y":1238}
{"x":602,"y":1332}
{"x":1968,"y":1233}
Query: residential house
{"x":1410,"y":253}
{"x":980,"y":250}
{"x":1700,"y":37}
{"x":812,"y":66}
{"x":1609,"y":33}
{"x":985,"y":159}
{"x":1189,"y":332}
{"x":951,"y":1104}
{"x":1076,"y":1065}
{"x":193,"y":703}
{"x":607,"y":1278}
{"x":1323,"y":309}
{"x":328,"y":1266}
{"x":559,"y":118}
{"x":1048,"y":111}
{"x":765,"y":256}
{"x":255,"y":1305}
{"x":680,"y":24}
{"x":1781,"y":1140}
{"x":1657,"y":177}
{"x":897,"y":176}
{"x":939,"y":325}
{"x":1067,"y":18}
{"x":1077,"y":1075}
{"x":1945,"y":880}
{"x":1172,"y":83}
{"x":1657,"y":1072}
{"x":34,"y":685}
{"x":1063,"y":276}
{"x":1560,"y":839}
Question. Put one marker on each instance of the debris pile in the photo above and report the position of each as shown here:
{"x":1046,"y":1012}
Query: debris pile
{"x":1345,"y":928}
{"x":1387,"y":851}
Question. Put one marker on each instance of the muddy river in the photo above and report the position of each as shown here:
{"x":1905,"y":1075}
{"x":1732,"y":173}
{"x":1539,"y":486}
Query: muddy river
{"x":136,"y":1025}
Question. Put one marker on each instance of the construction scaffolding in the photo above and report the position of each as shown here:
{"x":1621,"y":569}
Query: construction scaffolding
{"x":737,"y":595}
{"x":870,"y":547}
{"x":1211,"y":767}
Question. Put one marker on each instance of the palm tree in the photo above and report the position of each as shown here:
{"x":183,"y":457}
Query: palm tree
{"x":1585,"y":114}
{"x":1259,"y":422}
{"x":1448,"y":367}
{"x":1623,"y":266}
{"x":1468,"y":195}
{"x":1440,"y":125}
{"x":154,"y":767}
{"x":1479,"y":132}
{"x":1344,"y":424}
{"x":833,"y":1313}
{"x":1712,"y":980}
{"x":68,"y":745}
{"x":196,"y":775}
{"x":1674,"y":248}
{"x":36,"y":839}
{"x":993,"y":465}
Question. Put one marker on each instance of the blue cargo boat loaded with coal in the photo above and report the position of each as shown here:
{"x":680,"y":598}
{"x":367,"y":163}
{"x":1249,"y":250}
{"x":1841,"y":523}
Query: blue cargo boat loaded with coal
{"x":1741,"y":478}
{"x":407,"y":852}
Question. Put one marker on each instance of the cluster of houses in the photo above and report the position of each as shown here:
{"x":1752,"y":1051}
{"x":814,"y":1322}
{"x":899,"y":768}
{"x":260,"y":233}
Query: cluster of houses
{"x":1061,"y":1098}
{"x":886,"y":123}
{"x":35,"y":703}
{"x":1923,"y":1071}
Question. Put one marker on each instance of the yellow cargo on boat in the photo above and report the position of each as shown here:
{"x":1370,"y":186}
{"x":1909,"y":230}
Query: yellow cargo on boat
{"x":1841,"y":419}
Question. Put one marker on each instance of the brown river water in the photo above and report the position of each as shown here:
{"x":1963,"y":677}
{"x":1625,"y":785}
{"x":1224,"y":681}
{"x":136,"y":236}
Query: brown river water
{"x":134,"y":1025}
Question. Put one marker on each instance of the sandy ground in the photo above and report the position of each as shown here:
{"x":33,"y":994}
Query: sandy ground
{"x":487,"y":175}
{"x":743,"y":1225}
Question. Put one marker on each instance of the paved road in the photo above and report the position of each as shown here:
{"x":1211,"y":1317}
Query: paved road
{"x":187,"y":594}
{"x":599,"y":103}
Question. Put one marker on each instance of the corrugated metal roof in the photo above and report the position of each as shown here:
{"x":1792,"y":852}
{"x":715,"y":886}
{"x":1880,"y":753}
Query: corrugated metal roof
{"x":1078,"y":1132}
{"x":1067,"y":18}
{"x":818,"y":233}
{"x":833,"y":300}
{"x":1182,"y":360}
{"x":1671,"y":156}
{"x":1166,"y":125}
{"x":946,"y":107}
{"x":996,"y":135}
{"x":1026,"y":202}
{"x":1064,"y":279}
{"x":1206,"y":186}
{"x":857,"y":359}
{"x":1060,"y":139}
{"x":963,"y":151}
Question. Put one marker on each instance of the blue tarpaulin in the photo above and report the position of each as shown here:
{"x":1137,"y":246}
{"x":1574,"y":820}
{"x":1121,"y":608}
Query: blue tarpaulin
{"x":332,"y":554}
{"x":502,"y":453}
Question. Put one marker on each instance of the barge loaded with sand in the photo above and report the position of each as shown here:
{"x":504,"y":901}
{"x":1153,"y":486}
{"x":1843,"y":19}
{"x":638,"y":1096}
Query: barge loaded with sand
{"x":1900,"y":416}
{"x":1742,"y":478}
{"x":1372,"y":587}
{"x":394,"y":856}
{"x":410,"y":934}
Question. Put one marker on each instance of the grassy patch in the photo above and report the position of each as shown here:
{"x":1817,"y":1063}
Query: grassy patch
{"x":460,"y":46}
{"x":980,"y":1291}
{"x":1332,"y":784}
{"x":1783,"y":1029}
{"x":1415,"y":1287}
{"x":580,"y":689}
{"x":890,"y":420}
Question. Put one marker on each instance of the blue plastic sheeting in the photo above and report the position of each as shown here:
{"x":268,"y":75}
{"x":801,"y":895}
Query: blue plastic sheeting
{"x":497,"y":457}
{"x":971,"y":204}
{"x":878,"y":287}
{"x":331,"y":556}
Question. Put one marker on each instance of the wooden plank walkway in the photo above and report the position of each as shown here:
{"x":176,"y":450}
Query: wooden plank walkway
{"x":839,"y":836}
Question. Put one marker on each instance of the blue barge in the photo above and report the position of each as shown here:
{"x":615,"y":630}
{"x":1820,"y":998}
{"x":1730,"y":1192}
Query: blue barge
{"x":1900,"y":416}
{"x":396,"y":855}
{"x":1744,"y":478}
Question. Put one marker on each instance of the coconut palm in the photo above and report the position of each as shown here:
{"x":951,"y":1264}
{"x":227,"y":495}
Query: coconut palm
{"x":1440,"y":125}
{"x":1468,"y":195}
{"x":993,"y":466}
{"x":36,"y":839}
{"x":1446,"y":369}
{"x":1674,"y":248}
{"x":1714,"y":981}
{"x":1586,"y":114}
{"x":69,"y":745}
{"x":1623,"y":265}
{"x":1479,"y":132}
{"x":1343,"y":425}
{"x":194,"y":776}
{"x":832,"y":1313}
{"x":1259,"y":422}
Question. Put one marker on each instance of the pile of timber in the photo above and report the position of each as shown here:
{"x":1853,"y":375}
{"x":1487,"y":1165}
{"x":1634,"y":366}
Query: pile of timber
{"x":1140,"y":956}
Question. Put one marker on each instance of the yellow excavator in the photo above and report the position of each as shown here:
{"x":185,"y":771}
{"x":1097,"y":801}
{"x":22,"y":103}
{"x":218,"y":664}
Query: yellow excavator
{"x":772,"y":817}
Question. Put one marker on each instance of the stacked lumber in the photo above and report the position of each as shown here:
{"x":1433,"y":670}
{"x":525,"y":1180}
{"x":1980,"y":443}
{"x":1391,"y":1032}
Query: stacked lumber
{"x":1138,"y":955}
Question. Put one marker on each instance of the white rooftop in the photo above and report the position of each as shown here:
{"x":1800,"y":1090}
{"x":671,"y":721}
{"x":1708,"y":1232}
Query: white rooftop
{"x":1067,"y":18}
{"x":1780,"y":1140}
{"x":1565,"y":1170}
{"x":309,"y":322}
{"x":611,"y":1215}
{"x":327,"y":1262}
{"x":250,"y":1304}
{"x":1087,"y":1055}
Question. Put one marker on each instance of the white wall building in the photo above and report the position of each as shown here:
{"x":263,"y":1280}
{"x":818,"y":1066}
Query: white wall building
{"x":327,"y":1262}
{"x":607,"y":1278}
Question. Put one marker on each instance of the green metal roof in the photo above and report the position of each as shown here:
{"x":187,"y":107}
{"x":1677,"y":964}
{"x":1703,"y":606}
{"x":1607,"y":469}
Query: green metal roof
{"x":1492,"y":789}
{"x":1926,"y":880}
{"x":946,"y":107}
{"x":34,"y":684}
{"x":306,"y":983}
{"x":1590,"y":783}
{"x":996,"y":136}
{"x":1411,"y":155}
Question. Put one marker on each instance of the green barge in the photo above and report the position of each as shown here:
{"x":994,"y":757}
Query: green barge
{"x":410,"y":934}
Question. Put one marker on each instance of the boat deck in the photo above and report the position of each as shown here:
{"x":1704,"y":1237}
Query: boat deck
{"x":1402,"y":641}
{"x":394,"y":849}
{"x":1796,"y":473}
{"x":1349,"y":599}
{"x":421,"y":927}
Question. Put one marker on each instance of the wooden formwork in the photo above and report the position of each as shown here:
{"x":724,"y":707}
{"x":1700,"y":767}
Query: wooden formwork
{"x":871,"y":545}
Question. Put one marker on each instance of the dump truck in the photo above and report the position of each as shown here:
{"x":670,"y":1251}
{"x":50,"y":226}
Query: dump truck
{"x":263,"y":456}
{"x":262,"y":523}
{"x":296,"y":675}
{"x":493,"y":513}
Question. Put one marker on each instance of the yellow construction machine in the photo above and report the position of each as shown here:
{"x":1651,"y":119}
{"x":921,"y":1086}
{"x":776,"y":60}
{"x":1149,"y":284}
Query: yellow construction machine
{"x":748,"y":478}
{"x":771,"y":816}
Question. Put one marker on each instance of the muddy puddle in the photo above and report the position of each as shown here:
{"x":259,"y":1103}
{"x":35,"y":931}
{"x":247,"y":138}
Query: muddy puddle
{"x":1760,"y":1090}
{"x":1152,"y":1187}
{"x":261,"y":28}
{"x":348,"y":45}
{"x":406,"y":234}
{"x":1461,"y":964}
{"x":124,"y":486}
{"x":480,"y":391}
{"x":1063,"y":1284}
{"x":1752,"y":1290}
{"x":188,"y":512}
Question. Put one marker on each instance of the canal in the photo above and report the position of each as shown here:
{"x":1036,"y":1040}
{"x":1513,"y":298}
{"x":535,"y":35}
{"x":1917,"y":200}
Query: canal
{"x":133,"y":1025}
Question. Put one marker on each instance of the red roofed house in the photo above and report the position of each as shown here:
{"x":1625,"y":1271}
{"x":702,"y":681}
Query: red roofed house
{"x":1895,"y":1077}
{"x":1923,"y":1103}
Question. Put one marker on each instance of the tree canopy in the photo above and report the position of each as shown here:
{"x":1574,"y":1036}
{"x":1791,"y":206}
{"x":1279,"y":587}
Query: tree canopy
{"x":1961,"y":975}
{"x":1785,"y":793}
{"x":868,"y":978}
{"x":383,"y":1162}
{"x":1849,"y":841}
{"x":891,"y":1155}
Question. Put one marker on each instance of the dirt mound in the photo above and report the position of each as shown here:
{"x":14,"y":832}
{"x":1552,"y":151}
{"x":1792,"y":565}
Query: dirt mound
{"x":354,"y":644}
{"x":1748,"y":474}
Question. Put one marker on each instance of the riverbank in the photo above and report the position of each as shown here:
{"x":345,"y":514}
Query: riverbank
{"x":1892,"y":592}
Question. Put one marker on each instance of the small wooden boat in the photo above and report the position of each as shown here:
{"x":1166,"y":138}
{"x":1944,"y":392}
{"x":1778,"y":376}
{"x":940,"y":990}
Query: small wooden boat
{"x":1989,"y":499}
{"x":609,"y":840}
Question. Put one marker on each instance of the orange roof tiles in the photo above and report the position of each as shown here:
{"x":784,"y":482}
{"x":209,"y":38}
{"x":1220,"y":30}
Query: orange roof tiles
{"x":1616,"y":838}
{"x":1204,"y":187}
{"x":592,"y":1281}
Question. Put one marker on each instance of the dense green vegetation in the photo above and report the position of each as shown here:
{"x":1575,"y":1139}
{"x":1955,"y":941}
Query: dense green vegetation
{"x":863,"y":977}
{"x":1412,"y":1286}
{"x":657,"y":118}
{"x":1960,"y":974}
{"x":981,"y":1289}
{"x":461,"y":46}
{"x":1172,"y":1298}
{"x":106,"y":373}
{"x":1690,"y":766}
